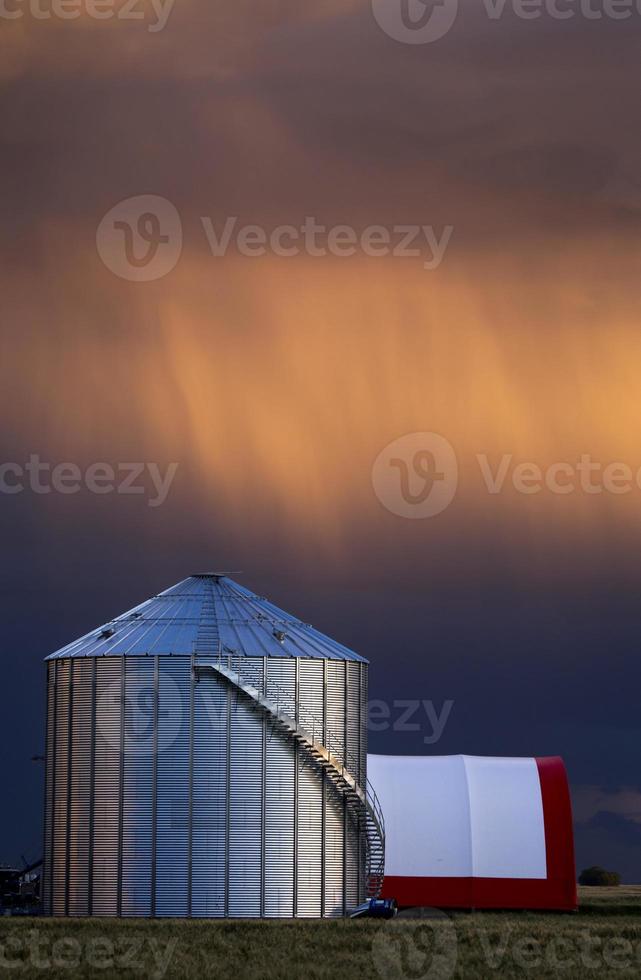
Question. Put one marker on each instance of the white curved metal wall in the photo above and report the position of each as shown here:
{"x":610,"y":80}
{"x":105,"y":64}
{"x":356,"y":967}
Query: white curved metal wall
{"x":169,"y":795}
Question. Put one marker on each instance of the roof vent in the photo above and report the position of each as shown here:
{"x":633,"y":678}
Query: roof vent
{"x":106,"y":634}
{"x":280,"y":636}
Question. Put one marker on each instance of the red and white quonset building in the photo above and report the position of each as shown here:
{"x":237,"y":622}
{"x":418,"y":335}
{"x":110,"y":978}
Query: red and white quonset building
{"x":469,"y":832}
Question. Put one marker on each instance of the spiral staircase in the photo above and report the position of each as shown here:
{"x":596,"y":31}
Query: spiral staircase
{"x":331,"y":758}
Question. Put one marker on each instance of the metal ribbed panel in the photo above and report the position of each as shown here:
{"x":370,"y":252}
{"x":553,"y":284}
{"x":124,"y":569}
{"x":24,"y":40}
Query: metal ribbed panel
{"x":334,"y":853}
{"x":281,"y":684}
{"x":310,"y":687}
{"x":335,"y":708}
{"x":364,"y":721}
{"x":138,"y":787}
{"x":212,"y":699}
{"x":353,"y":713}
{"x":279,"y":829}
{"x":364,"y":716}
{"x":80,"y":787}
{"x":109,"y":700}
{"x":353,"y":867}
{"x":50,"y":788}
{"x":280,"y":788}
{"x":309,"y":842}
{"x":245,"y":804}
{"x":62,"y":744}
{"x":173,"y":783}
{"x":353,"y":745}
{"x":310,"y":800}
{"x":183,"y":799}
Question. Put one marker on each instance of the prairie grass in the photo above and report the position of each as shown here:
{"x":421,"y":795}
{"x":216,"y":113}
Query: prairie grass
{"x":602,"y":940}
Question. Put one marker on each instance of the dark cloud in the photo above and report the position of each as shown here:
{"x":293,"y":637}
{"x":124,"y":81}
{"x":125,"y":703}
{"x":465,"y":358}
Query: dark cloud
{"x":505,"y":123}
{"x":618,"y":827}
{"x":610,"y":840}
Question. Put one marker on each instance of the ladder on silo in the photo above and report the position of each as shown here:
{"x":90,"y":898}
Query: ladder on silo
{"x":207,"y":638}
{"x":332,"y":759}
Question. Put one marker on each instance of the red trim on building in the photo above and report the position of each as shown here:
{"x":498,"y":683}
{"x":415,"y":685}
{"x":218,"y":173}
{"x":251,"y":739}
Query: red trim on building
{"x":557,"y":891}
{"x":559,"y":833}
{"x":479,"y":893}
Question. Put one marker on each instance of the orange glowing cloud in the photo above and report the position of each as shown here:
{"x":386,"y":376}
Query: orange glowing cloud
{"x":277,"y":383}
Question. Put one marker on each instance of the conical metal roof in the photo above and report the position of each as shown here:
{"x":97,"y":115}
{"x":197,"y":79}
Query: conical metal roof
{"x":206,"y":614}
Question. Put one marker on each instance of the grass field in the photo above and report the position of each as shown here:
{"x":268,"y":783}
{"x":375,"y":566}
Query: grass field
{"x":602,"y":940}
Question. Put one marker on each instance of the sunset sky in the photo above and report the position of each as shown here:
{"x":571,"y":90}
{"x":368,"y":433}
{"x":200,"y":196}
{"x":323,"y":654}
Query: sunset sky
{"x":275,"y":382}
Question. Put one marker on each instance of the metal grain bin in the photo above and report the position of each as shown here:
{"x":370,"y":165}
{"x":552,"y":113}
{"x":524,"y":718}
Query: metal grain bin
{"x":206,"y":757}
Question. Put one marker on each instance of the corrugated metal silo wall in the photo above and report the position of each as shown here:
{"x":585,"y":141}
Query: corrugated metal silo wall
{"x":168,"y":795}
